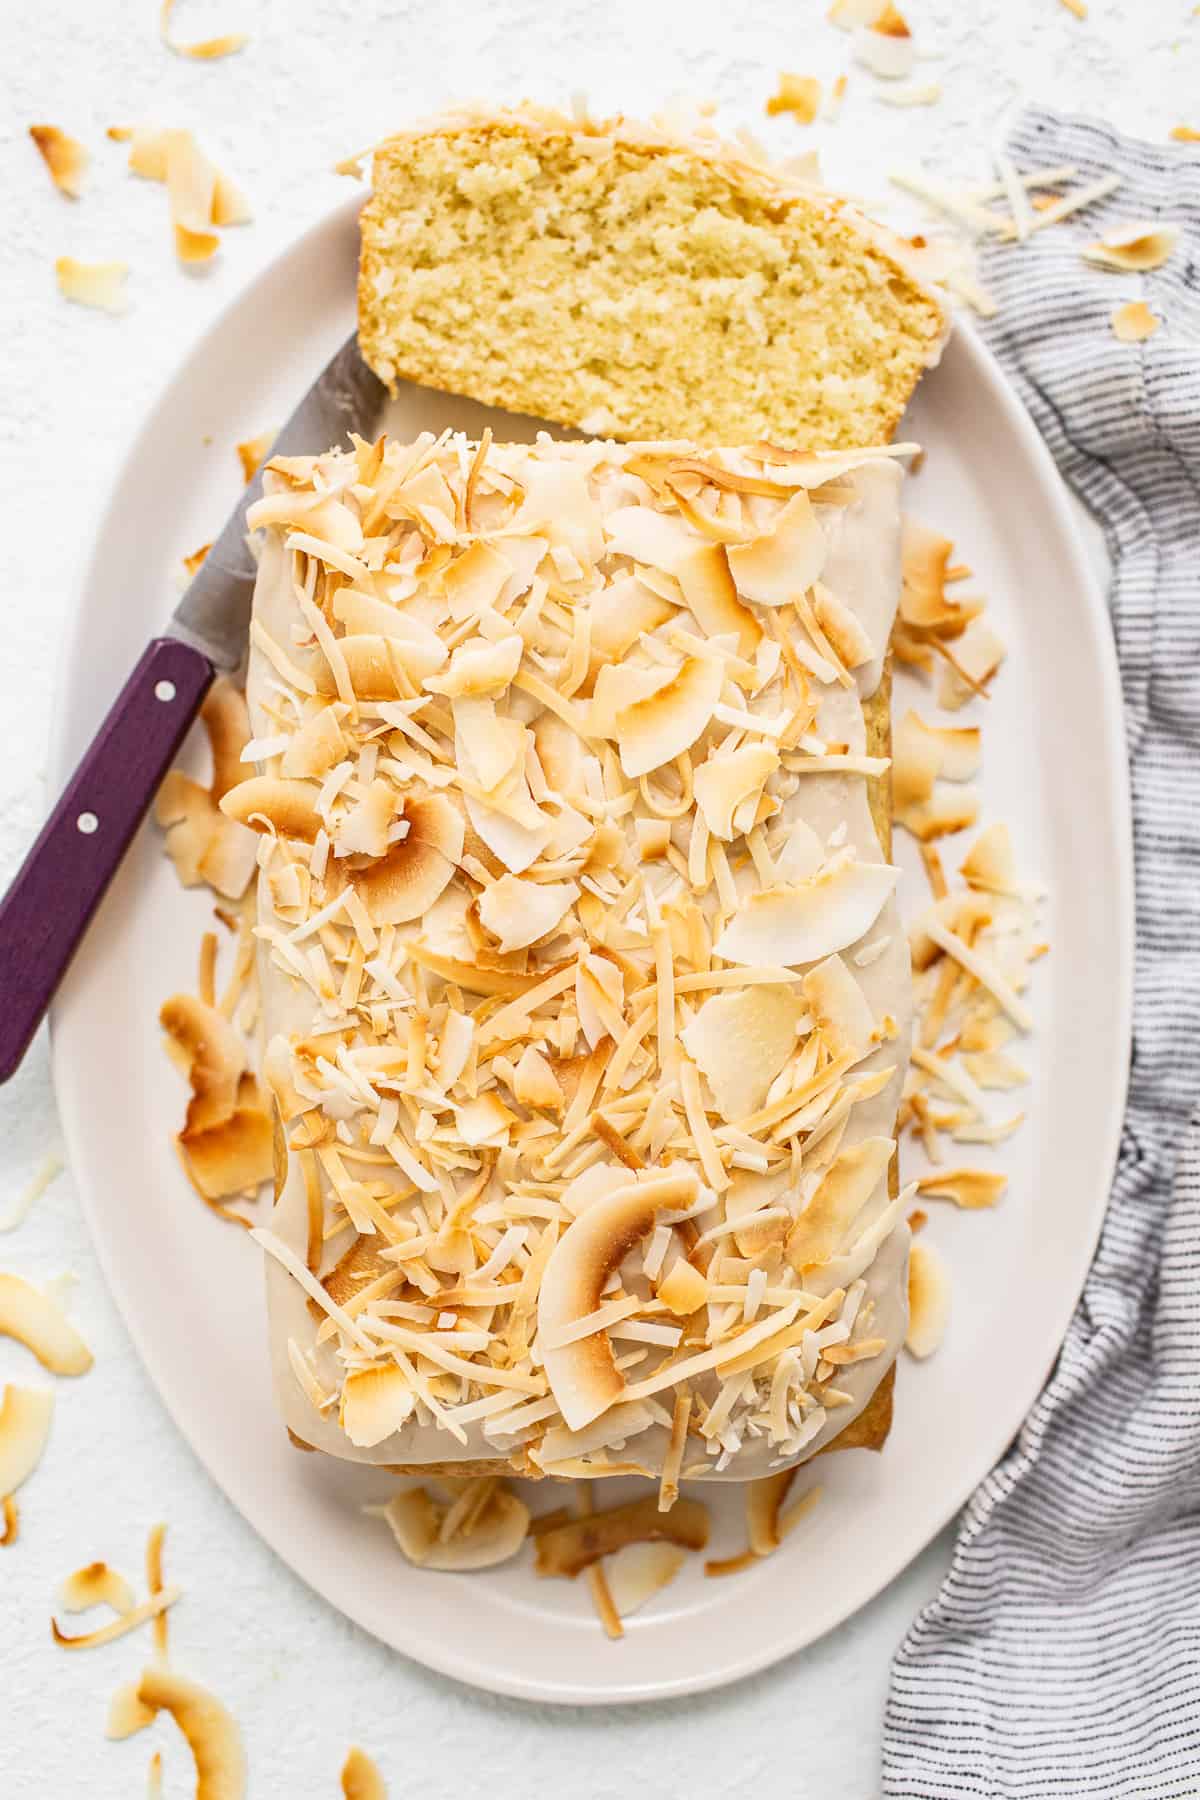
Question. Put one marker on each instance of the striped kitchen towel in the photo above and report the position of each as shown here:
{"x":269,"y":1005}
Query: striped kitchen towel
{"x":1062,"y":1655}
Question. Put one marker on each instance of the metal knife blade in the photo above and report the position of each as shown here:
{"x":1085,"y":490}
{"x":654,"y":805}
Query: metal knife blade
{"x":214,"y":613}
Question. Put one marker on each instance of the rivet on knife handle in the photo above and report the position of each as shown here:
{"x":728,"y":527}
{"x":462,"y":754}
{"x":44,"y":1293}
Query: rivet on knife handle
{"x":63,"y":879}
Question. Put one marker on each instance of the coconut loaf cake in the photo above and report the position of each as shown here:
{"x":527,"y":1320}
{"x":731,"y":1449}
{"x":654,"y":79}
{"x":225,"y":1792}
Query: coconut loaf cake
{"x":585,"y":995}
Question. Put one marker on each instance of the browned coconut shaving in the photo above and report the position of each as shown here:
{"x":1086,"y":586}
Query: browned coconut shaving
{"x":64,"y":156}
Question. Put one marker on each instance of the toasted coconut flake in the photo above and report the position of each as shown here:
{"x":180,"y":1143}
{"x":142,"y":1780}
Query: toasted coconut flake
{"x":975,"y":658}
{"x":47,"y":1171}
{"x":847,"y":1186}
{"x":970,"y":1189}
{"x":211,"y":1733}
{"x":725,"y":782}
{"x":885,"y":46}
{"x":126,"y":1714}
{"x":684,"y":1290}
{"x":799,"y":95}
{"x":928,"y":1300}
{"x":841,"y":629}
{"x":993,"y":1069}
{"x":1133,"y":323}
{"x":775,"y":568}
{"x":207,"y":49}
{"x":1184,"y":134}
{"x":253,"y":453}
{"x":989,"y":864}
{"x":416,"y":1518}
{"x":925,"y":93}
{"x":570,"y":1548}
{"x":535,"y":1083}
{"x":740,"y":1041}
{"x":840,"y":1009}
{"x":374,"y":1404}
{"x":271,"y":803}
{"x":99,"y":285}
{"x":405,"y":883}
{"x":764,"y":1503}
{"x":583,"y":1376}
{"x":361,"y":1779}
{"x":37,"y":1320}
{"x":803,"y":922}
{"x":668,"y":1487}
{"x":64,"y":156}
{"x":96,"y":1585}
{"x":479,"y":667}
{"x":1139,"y":247}
{"x":636,"y":1572}
{"x":848,"y":15}
{"x":655,"y":730}
{"x":518,"y":913}
{"x":25,"y":1415}
{"x":118,"y":1627}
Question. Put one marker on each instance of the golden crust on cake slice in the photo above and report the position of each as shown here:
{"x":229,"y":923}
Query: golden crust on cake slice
{"x":637,"y":280}
{"x":585,"y":997}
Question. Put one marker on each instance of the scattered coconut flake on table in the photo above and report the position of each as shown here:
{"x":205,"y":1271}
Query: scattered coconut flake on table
{"x":208,"y":1727}
{"x":98,"y":285}
{"x":207,"y":49}
{"x":1133,"y":323}
{"x":926,"y":94}
{"x":25,"y":1415}
{"x":885,"y":45}
{"x":361,"y":1779}
{"x":64,"y":156}
{"x":119,"y":1627}
{"x":47,"y":1171}
{"x":1184,"y":134}
{"x":200,"y":197}
{"x":799,"y":95}
{"x":36,"y":1319}
{"x":96,"y":1585}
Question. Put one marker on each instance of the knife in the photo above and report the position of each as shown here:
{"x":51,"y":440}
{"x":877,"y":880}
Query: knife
{"x":58,"y":887}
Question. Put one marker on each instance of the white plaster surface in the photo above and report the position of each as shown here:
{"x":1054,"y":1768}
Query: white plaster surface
{"x":318,"y":80}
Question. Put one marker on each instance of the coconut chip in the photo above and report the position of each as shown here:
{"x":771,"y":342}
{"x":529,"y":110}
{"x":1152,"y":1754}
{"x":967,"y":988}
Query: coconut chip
{"x":1138,"y":247}
{"x":25,"y":1415}
{"x":207,"y":49}
{"x":970,"y":1189}
{"x":416,"y":1519}
{"x":96,"y":1585}
{"x":570,"y":1548}
{"x":884,"y":45}
{"x":637,"y":1572}
{"x":64,"y":156}
{"x":1133,"y":323}
{"x":120,"y":1626}
{"x":47,"y":1171}
{"x":928,"y":1300}
{"x":37,"y":1320}
{"x":98,"y":285}
{"x":799,"y":95}
{"x":253,"y":452}
{"x":209,"y":1729}
{"x":361,"y":1779}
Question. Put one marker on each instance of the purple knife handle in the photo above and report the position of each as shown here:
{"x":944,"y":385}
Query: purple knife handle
{"x":60,"y":884}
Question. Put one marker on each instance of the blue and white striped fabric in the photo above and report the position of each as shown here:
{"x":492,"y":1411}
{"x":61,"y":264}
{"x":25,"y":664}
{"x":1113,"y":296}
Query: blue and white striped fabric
{"x":1062,"y":1654}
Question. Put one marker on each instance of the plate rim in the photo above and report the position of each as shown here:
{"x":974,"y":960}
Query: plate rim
{"x":449,"y":1660}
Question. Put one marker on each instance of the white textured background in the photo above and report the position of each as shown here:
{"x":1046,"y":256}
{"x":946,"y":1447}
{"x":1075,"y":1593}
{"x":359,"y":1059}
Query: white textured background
{"x":320,"y":79}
